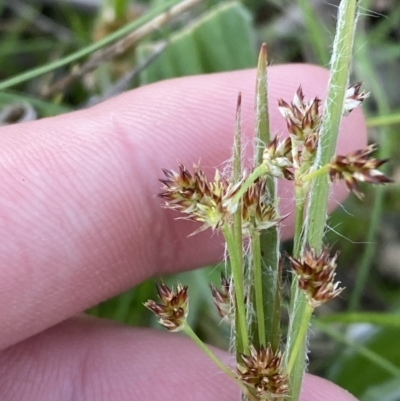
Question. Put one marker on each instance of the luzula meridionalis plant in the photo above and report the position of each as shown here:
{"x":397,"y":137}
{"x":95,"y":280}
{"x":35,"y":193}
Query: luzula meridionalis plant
{"x":244,"y":207}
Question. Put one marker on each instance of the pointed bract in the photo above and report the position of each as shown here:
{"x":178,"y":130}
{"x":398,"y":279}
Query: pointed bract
{"x":353,"y":98}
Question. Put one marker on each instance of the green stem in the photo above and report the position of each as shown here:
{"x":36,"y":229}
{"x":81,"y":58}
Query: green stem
{"x":257,"y":173}
{"x":298,"y":225}
{"x":301,"y":335}
{"x":120,"y":8}
{"x":338,"y":83}
{"x":275,"y":337}
{"x":314,"y":174}
{"x":237,"y":222}
{"x":258,"y":287}
{"x":238,"y":281}
{"x":261,"y":106}
{"x":317,"y":205}
{"x":269,"y":239}
{"x":193,"y":336}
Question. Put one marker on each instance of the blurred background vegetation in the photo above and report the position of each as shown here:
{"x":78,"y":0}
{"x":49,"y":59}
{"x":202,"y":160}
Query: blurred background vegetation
{"x":59,"y":55}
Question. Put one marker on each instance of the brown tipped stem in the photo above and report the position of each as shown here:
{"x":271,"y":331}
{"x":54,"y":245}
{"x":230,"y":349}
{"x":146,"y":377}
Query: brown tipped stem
{"x":237,"y":147}
{"x":261,"y":106}
{"x":235,"y":243}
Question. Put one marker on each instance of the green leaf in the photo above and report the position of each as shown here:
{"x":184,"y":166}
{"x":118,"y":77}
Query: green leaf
{"x":387,"y":391}
{"x":223,"y":40}
{"x":380,"y":319}
{"x":368,"y":362}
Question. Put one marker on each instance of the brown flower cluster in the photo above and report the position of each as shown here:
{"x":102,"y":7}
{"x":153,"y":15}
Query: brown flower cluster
{"x":277,"y":157}
{"x":195,"y":196}
{"x":302,"y":117}
{"x":303,"y":123}
{"x":357,"y":166}
{"x":258,"y":212}
{"x":210,"y":202}
{"x":316,"y":274}
{"x":353,"y":98}
{"x":262,"y":373}
{"x":174,"y":307}
{"x":222,"y":299}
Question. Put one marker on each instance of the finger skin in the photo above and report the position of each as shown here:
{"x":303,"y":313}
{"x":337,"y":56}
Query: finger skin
{"x":79,"y":219}
{"x":91,"y":360}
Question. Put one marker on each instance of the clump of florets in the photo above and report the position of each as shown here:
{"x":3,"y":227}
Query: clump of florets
{"x":262,"y":373}
{"x":302,"y":117}
{"x":173,"y":308}
{"x":316,"y":274}
{"x":223,"y":299}
{"x":211,"y":202}
{"x":195,"y":196}
{"x":353,"y":98}
{"x":277,"y":157}
{"x":357,"y":166}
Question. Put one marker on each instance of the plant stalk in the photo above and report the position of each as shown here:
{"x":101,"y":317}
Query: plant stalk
{"x":318,"y":197}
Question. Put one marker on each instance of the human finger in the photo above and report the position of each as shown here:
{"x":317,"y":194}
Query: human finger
{"x":91,"y":360}
{"x":79,"y":219}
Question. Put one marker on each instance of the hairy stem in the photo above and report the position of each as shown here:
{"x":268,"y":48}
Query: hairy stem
{"x":318,"y":199}
{"x":258,"y":287}
{"x":235,"y":255}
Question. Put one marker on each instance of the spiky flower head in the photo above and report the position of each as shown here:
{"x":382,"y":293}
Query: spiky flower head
{"x":357,"y":166}
{"x":223,"y":299}
{"x":262,"y":373}
{"x":173,"y":308}
{"x":353,"y":98}
{"x":258,"y":210}
{"x":302,"y":117}
{"x":277,"y":157}
{"x":316,"y":274}
{"x":195,"y":196}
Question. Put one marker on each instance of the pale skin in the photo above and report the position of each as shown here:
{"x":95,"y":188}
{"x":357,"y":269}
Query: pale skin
{"x":80,"y":222}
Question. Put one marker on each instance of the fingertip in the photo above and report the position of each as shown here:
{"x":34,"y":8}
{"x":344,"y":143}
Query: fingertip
{"x":317,"y":389}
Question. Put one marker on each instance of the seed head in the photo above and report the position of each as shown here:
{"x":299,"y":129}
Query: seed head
{"x":302,"y":117}
{"x":195,"y":196}
{"x":277,"y":157}
{"x":261,"y":372}
{"x":353,"y":98}
{"x":357,"y":166}
{"x":174,"y":307}
{"x":223,"y":299}
{"x":258,"y":210}
{"x":316,"y":274}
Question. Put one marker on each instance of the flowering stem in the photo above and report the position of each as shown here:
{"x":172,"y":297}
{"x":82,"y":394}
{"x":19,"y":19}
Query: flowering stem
{"x":258,"y":287}
{"x":259,"y":171}
{"x":317,"y":205}
{"x":235,"y":255}
{"x":237,"y":223}
{"x":298,"y":225}
{"x":193,"y":336}
{"x":317,"y":173}
{"x":269,"y":239}
{"x":301,"y":334}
